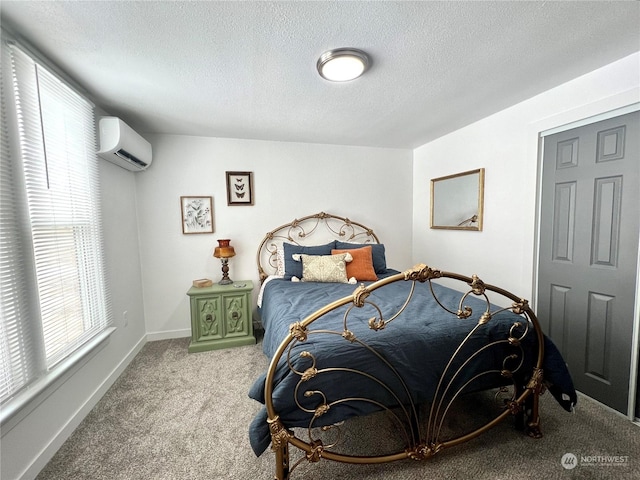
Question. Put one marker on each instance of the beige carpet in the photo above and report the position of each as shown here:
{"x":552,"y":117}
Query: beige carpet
{"x":174,"y":416}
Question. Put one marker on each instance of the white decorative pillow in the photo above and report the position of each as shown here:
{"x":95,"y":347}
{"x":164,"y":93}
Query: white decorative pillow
{"x":325,"y":268}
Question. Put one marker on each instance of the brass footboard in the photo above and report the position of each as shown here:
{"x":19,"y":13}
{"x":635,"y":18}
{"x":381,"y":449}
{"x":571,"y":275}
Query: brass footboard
{"x":423,"y":428}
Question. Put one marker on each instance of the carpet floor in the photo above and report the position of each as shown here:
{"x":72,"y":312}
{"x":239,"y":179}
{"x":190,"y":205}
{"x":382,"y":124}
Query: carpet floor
{"x":173,"y":415}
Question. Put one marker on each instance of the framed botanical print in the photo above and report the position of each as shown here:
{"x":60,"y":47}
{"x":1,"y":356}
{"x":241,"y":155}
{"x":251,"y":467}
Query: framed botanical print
{"x":197,"y":214}
{"x":240,"y":188}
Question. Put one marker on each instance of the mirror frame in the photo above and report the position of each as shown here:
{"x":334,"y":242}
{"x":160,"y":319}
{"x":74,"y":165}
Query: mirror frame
{"x":435,"y":201}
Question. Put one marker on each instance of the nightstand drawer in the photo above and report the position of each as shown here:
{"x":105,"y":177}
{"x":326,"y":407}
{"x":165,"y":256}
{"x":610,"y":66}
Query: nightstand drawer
{"x":237,"y":315}
{"x":209,"y":320}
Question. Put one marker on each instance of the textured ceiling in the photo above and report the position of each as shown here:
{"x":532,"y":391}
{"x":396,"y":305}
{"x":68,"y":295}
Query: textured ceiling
{"x":244,"y":69}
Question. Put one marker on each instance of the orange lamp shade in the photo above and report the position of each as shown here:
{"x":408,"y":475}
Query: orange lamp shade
{"x":224,"y":250}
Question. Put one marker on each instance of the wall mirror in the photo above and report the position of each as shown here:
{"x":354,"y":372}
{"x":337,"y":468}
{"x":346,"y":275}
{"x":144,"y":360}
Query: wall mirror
{"x":457,"y":201}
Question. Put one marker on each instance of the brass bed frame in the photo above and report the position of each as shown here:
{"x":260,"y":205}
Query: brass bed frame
{"x":421,"y":427}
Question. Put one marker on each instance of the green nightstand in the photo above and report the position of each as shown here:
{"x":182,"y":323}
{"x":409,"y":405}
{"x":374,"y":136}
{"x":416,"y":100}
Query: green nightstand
{"x":221,"y":316}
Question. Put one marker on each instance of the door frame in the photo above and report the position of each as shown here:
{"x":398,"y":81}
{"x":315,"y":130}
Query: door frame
{"x":613,"y":106}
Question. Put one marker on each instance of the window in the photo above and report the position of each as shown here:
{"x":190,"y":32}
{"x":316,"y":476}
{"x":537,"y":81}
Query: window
{"x":53,"y":296}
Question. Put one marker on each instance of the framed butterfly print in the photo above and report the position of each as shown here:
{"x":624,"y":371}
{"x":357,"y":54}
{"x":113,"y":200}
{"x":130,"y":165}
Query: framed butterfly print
{"x":239,"y":188}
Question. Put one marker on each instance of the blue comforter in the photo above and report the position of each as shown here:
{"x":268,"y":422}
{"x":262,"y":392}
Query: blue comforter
{"x":418,"y":344}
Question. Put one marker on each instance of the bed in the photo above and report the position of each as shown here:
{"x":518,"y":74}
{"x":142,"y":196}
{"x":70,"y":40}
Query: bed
{"x":418,"y":350}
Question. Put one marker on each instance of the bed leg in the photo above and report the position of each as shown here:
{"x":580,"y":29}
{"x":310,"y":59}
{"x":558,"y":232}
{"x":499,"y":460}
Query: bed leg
{"x":282,"y":462}
{"x":280,"y":445}
{"x":537,"y":387}
{"x":518,"y":413}
{"x":533,"y":425}
{"x":519,"y":420}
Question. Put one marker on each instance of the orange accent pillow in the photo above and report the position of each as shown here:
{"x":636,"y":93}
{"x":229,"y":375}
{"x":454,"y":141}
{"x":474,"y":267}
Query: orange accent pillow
{"x":361,"y":267}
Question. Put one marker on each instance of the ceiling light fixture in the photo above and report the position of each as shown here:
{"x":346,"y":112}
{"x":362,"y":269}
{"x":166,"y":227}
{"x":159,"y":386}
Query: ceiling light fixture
{"x":342,"y":64}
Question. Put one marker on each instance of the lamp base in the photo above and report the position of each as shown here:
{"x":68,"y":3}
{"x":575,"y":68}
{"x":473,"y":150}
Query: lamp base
{"x":225,"y":273}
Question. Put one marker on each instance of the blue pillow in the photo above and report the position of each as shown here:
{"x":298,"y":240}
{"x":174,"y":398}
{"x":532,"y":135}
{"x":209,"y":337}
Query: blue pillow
{"x":293,"y":268}
{"x":377,"y":253}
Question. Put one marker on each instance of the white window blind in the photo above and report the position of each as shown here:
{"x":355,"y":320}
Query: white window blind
{"x":52,"y":277}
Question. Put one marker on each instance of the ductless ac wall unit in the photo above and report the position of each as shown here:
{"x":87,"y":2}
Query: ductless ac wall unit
{"x":121,"y":145}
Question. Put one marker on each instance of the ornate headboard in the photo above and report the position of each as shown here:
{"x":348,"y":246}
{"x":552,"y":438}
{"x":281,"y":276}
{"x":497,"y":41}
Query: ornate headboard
{"x":323,"y":227}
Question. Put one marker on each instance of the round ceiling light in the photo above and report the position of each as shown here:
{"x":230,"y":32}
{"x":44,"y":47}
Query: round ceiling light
{"x":342,"y":64}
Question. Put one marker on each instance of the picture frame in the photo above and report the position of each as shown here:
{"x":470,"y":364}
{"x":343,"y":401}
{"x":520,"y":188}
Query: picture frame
{"x":197,"y":214}
{"x":240,"y":188}
{"x":457,"y":201}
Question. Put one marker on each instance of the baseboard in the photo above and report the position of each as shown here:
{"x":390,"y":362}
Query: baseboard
{"x":168,"y":335}
{"x":65,"y":432}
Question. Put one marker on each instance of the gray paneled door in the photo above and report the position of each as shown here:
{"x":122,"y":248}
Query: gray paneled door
{"x":589,"y":224}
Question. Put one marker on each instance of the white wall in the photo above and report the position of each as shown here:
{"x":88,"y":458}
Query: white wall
{"x":369,"y":185}
{"x":31,"y":443}
{"x":505,"y":144}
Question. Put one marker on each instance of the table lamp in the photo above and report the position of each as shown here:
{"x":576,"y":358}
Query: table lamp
{"x":224,"y":252}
